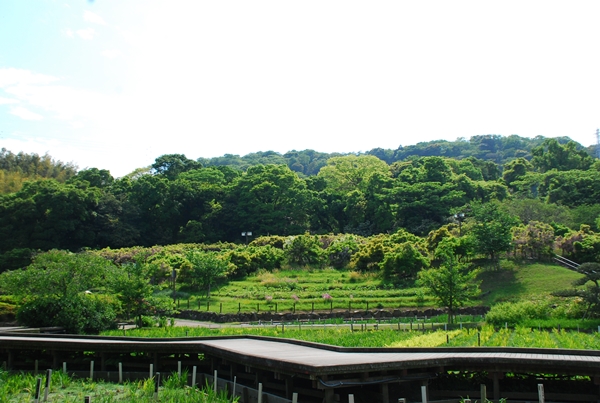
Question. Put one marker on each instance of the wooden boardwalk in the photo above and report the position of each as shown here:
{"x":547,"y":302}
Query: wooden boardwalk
{"x":316,"y":369}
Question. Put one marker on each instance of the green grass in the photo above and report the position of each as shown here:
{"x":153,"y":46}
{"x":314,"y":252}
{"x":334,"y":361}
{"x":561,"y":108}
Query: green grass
{"x":302,"y":290}
{"x":524,"y":281}
{"x":20,"y":387}
{"x":391,"y":337}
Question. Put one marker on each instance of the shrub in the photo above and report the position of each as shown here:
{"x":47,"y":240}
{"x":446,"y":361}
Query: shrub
{"x":515,"y":313}
{"x":82,"y":313}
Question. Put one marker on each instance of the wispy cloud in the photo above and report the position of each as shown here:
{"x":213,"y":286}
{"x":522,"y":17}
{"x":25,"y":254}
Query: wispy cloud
{"x":68,"y":32}
{"x":86,"y":34}
{"x":7,"y":101}
{"x":111,"y":53}
{"x":24,"y":113}
{"x":93,"y":18}
{"x":12,"y":76}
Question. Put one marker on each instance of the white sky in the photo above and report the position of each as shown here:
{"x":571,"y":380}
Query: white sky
{"x":113,"y":84}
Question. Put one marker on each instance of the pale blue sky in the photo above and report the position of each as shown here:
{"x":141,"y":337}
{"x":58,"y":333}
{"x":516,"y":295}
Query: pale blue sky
{"x":114,"y":84}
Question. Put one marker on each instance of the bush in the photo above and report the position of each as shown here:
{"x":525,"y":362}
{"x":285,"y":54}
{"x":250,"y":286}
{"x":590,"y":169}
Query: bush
{"x":515,"y":313}
{"x":83,"y":313}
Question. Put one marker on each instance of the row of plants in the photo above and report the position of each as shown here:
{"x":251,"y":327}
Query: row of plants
{"x":389,"y":336}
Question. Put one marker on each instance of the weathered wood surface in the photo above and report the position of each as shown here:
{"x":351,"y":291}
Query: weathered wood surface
{"x":316,"y":359}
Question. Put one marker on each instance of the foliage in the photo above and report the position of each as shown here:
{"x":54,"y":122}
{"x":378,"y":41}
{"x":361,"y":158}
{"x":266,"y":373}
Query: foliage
{"x":534,"y":240}
{"x":79,"y":313}
{"x":515,"y":313}
{"x":492,"y":229}
{"x":206,"y":269}
{"x":303,"y":250}
{"x":403,"y":261}
{"x":452,"y":284}
{"x":340,"y":251}
{"x":590,"y":294}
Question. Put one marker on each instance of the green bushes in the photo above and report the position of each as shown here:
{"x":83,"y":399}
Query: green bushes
{"x":513,"y":313}
{"x":81,"y":313}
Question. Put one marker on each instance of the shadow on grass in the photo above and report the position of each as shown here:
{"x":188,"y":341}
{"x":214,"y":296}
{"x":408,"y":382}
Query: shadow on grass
{"x":500,"y":285}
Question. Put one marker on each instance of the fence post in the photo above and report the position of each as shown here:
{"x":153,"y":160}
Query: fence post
{"x":424,"y":394}
{"x":48,"y":379}
{"x":120,"y":372}
{"x":260,"y":393}
{"x":179,"y":369}
{"x":64,"y":367}
{"x":350,"y":398}
{"x":151,"y":370}
{"x":541,"y":397}
{"x":483,"y":393}
{"x":194,"y":376}
{"x":156,"y":385}
{"x":233,"y":390}
{"x":92,"y":370}
{"x":87,"y":399}
{"x":295,"y":397}
{"x":38,"y":387}
{"x":215,"y":381}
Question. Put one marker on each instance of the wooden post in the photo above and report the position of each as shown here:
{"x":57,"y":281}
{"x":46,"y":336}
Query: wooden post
{"x":48,"y":379}
{"x":541,"y":397}
{"x":496,"y":380}
{"x":156,"y":385}
{"x":38,"y":387}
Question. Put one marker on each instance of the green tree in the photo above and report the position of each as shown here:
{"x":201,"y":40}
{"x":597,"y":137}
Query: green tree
{"x":66,"y":289}
{"x":452,"y":284}
{"x":553,"y":155}
{"x":403,"y":261}
{"x":207,"y":268}
{"x":345,"y":174}
{"x":491,"y":229}
{"x":304,"y":250}
{"x":590,"y":288}
{"x":136,"y":294}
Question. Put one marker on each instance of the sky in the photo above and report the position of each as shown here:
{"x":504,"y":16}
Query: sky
{"x":114,"y":84}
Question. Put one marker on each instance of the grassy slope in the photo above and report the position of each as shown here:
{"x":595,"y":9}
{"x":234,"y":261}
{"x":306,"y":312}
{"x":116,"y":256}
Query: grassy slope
{"x":514,"y":283}
{"x":525,"y":281}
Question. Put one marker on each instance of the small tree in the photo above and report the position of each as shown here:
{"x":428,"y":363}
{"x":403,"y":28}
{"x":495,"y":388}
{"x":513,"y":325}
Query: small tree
{"x":452,"y":284}
{"x":591,"y":293}
{"x":207,"y":268}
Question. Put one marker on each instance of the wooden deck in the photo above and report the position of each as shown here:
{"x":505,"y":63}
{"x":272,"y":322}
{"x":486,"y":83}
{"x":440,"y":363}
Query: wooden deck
{"x":321,"y":368}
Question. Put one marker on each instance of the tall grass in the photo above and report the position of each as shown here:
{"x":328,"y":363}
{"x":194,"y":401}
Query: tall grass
{"x":20,"y":387}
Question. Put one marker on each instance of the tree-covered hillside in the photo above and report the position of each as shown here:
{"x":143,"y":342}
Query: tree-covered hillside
{"x":182,"y":200}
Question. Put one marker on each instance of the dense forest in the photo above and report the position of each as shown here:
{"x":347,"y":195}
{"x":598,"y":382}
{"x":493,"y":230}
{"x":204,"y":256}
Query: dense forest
{"x":47,"y":204}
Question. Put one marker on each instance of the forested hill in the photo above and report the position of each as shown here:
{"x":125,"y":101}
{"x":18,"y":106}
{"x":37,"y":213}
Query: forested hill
{"x":494,"y":148}
{"x":179,"y":200}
